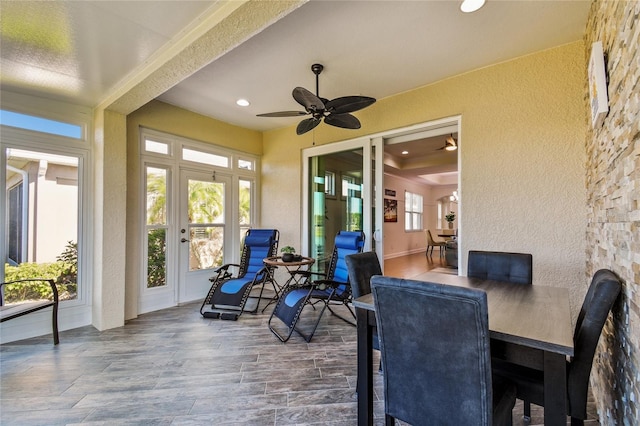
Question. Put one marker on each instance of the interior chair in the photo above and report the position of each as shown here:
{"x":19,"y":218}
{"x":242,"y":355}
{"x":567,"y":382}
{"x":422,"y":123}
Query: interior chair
{"x":229,"y":293}
{"x":436,"y":355}
{"x":602,"y":294}
{"x":319,"y":288}
{"x":361,"y":267}
{"x":500,"y":266}
{"x":431,"y":243}
{"x":451,"y":253}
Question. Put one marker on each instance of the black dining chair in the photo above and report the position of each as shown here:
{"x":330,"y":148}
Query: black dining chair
{"x":500,"y":266}
{"x":602,"y":294}
{"x":436,"y":355}
{"x":361,"y":267}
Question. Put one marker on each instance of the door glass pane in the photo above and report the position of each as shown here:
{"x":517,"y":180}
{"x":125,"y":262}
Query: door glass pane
{"x":331,"y":214}
{"x":205,"y":247}
{"x":156,"y":190}
{"x":244,"y":208}
{"x":156,"y":196}
{"x":156,"y":258}
{"x":42,"y":223}
{"x":206,"y":224}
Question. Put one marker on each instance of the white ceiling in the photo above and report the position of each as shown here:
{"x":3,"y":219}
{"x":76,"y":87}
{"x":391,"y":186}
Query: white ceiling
{"x":82,"y":51}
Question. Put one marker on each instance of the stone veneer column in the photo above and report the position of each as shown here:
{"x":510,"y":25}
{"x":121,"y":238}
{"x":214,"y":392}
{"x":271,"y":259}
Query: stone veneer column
{"x":613,"y":208}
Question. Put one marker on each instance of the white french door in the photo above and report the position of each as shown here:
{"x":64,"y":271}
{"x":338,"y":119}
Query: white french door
{"x":205,"y":230}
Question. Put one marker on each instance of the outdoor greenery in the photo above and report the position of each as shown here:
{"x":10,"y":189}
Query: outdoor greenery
{"x":156,"y":266}
{"x":64,"y":272}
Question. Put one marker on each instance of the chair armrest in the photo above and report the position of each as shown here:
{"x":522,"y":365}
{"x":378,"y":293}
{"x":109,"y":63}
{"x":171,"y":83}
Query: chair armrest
{"x":322,"y":284}
{"x":224,"y":271}
{"x":51,"y":282}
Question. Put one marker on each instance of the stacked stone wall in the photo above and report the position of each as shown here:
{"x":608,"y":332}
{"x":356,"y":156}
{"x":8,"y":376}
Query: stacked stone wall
{"x":613,"y":208}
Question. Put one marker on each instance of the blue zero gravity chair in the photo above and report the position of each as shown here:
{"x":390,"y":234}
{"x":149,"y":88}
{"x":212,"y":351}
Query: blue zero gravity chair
{"x":228,"y":295}
{"x":326,"y":288}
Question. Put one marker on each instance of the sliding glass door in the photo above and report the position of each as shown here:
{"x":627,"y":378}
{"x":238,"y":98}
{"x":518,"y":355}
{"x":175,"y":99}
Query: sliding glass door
{"x":339,"y":182}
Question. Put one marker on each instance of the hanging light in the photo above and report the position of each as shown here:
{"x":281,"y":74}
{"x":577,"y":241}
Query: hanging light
{"x":469,"y":6}
{"x":451,"y":144}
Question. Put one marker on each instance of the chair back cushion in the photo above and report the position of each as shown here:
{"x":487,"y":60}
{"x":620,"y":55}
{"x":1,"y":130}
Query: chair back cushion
{"x":258,"y":244}
{"x":500,"y":266}
{"x":435,"y":352}
{"x":346,"y":243}
{"x":603,"y":292}
{"x":361,"y":267}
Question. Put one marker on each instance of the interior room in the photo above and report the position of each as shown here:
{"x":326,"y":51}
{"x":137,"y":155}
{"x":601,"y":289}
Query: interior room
{"x":142,"y":140}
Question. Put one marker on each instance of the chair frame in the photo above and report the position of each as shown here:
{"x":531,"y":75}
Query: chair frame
{"x":323,"y":290}
{"x":223,"y":274}
{"x":431,"y":243}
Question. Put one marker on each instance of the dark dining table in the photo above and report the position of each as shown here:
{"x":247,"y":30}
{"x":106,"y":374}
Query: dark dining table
{"x":528,"y":324}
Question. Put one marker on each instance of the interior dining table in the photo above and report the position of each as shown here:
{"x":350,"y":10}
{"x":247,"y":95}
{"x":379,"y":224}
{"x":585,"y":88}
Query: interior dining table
{"x":529,"y":325}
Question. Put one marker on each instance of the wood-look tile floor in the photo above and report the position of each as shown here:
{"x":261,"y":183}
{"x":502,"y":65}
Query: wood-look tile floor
{"x":173,"y":367}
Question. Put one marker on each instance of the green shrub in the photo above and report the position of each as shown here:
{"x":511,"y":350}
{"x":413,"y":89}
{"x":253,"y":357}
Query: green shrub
{"x":64,"y":272}
{"x":30,"y":291}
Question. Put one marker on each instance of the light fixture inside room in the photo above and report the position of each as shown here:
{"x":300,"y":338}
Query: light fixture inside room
{"x":405,"y":152}
{"x":242,"y":102}
{"x":451,"y":144}
{"x":469,"y":6}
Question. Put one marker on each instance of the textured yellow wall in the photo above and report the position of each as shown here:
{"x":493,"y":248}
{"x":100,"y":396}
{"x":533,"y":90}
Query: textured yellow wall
{"x":522,"y":158}
{"x":170,"y":119}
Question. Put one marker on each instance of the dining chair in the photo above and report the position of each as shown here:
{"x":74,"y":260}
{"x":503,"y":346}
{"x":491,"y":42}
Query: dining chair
{"x":361,"y":267}
{"x":500,"y":266}
{"x":598,"y":302}
{"x":436,"y":355}
{"x":431,"y":243}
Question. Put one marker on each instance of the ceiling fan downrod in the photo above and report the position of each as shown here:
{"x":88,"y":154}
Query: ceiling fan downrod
{"x":317,"y":69}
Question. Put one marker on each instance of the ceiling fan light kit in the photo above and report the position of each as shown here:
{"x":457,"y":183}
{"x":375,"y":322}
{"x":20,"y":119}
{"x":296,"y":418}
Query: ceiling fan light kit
{"x":469,"y":6}
{"x":335,"y":112}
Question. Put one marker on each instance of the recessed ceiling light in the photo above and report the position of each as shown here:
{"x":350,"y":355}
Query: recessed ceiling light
{"x":405,"y":152}
{"x":243,"y":102}
{"x":469,"y":6}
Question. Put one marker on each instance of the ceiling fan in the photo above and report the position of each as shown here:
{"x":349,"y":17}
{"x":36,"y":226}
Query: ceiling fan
{"x":450,"y":144}
{"x":335,"y":112}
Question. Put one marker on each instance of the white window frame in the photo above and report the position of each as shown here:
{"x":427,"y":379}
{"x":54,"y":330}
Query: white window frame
{"x":409,"y":213}
{"x":72,"y":313}
{"x":174,"y":160}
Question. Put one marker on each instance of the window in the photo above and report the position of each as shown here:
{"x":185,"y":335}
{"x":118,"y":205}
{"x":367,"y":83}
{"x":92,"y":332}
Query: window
{"x":244,"y":206}
{"x":330,"y":184}
{"x":38,"y":124}
{"x":15,"y":224}
{"x":204,"y":157}
{"x":156,"y":147}
{"x":42,"y":222}
{"x":246,"y":165}
{"x":156,"y":190}
{"x":413,"y":209}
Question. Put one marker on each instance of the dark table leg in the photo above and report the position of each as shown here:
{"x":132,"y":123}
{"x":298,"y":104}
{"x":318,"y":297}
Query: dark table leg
{"x":555,"y":389}
{"x":364,"y":385}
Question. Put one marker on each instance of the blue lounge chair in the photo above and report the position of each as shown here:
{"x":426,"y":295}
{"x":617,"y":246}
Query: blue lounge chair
{"x":319,"y":288}
{"x":228,"y":295}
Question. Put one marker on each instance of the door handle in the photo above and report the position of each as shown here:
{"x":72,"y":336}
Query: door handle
{"x":184,"y":240}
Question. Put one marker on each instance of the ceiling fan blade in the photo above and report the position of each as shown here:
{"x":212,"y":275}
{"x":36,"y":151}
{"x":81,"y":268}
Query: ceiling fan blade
{"x":308,"y":100}
{"x":348,"y":104}
{"x":305,"y":125}
{"x":283,"y":114}
{"x":346,"y":121}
